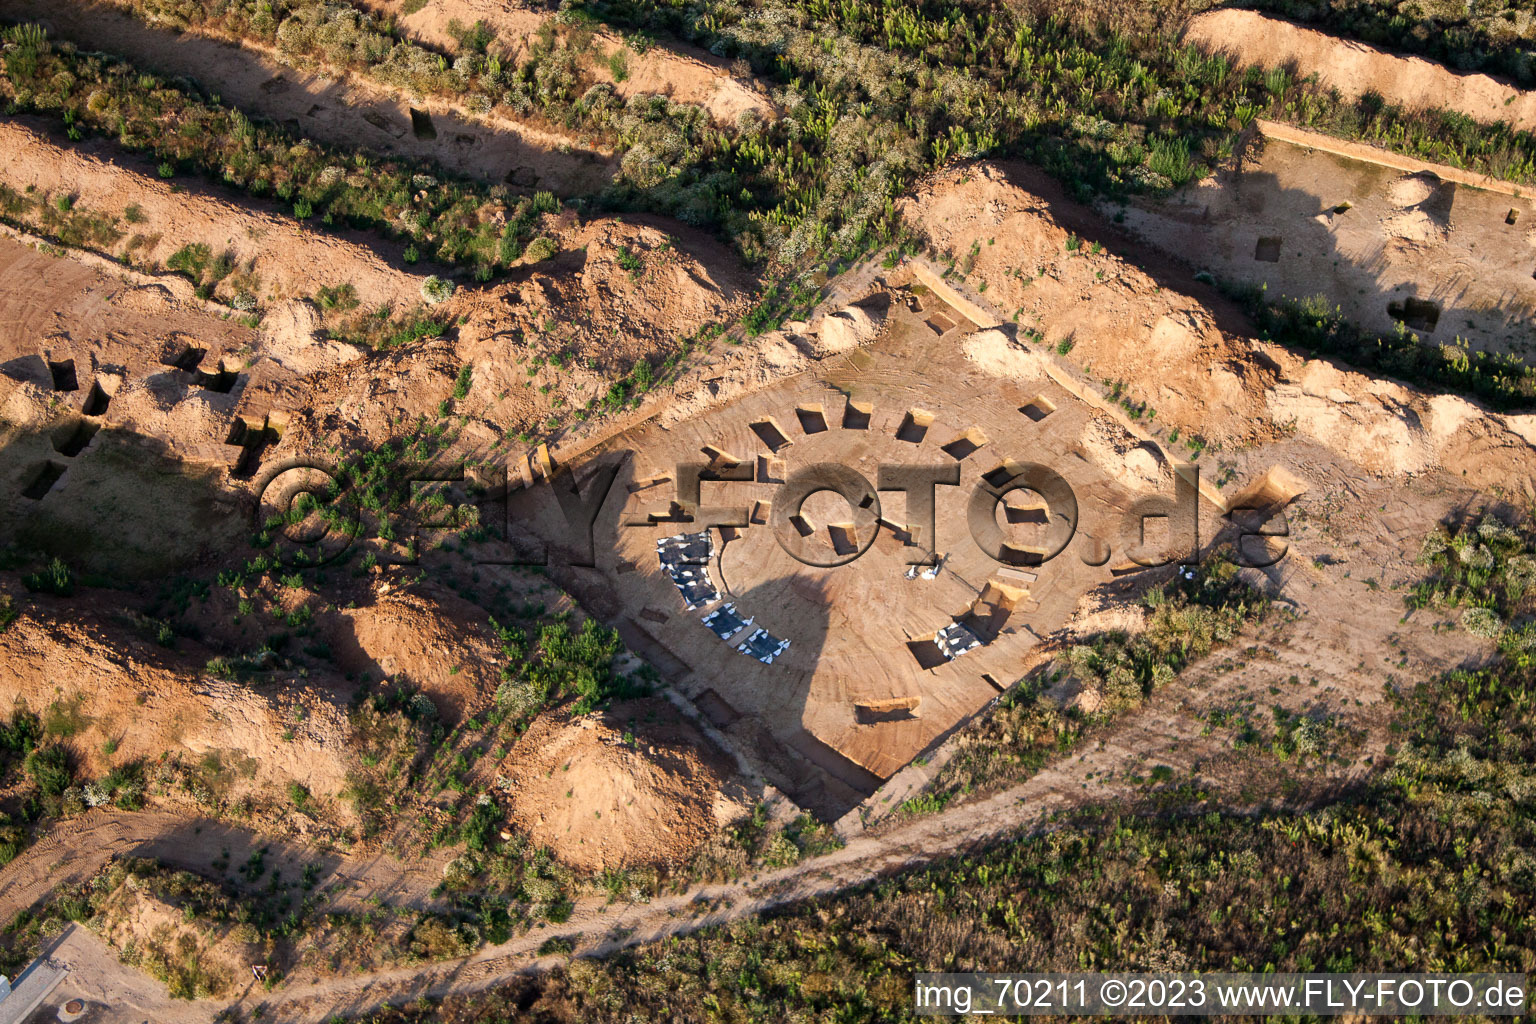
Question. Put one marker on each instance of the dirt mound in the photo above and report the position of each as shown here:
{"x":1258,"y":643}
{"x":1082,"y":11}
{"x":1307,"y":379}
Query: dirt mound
{"x":770,"y":357}
{"x":1414,"y":226}
{"x":1354,"y":68}
{"x":847,"y":328}
{"x":113,"y":697}
{"x":1016,"y":256}
{"x":1166,"y":350}
{"x":294,"y":340}
{"x":996,"y":353}
{"x":1135,"y":463}
{"x":560,"y":332}
{"x":276,"y":258}
{"x":152,"y":933}
{"x":1411,"y":189}
{"x":634,"y":785}
{"x":684,"y":73}
{"x":423,"y":634}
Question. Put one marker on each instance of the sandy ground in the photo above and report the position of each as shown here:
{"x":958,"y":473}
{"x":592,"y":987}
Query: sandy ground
{"x":288,"y":261}
{"x":1079,"y":315}
{"x":343,"y":110}
{"x":680,"y":72}
{"x":1354,"y":68}
{"x":1345,"y":634}
{"x":609,"y":796}
{"x":1366,"y":237}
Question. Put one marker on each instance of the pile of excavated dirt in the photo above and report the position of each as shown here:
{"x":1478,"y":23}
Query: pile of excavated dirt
{"x":633,"y":785}
{"x":551,"y":338}
{"x":139,"y":924}
{"x":105,"y":687}
{"x":422,"y":634}
{"x":1114,"y":317}
{"x":285,"y":259}
{"x":333,"y":106}
{"x":1354,"y":69}
{"x":1133,"y":462}
{"x":1121,"y":323}
{"x":683,"y":73}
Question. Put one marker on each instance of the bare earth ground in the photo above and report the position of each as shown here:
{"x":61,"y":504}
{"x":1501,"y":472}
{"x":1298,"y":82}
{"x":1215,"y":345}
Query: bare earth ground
{"x":1381,"y":464}
{"x":294,"y":263}
{"x":1345,"y":634}
{"x":340,"y":109}
{"x":1354,"y":68}
{"x":683,"y":73}
{"x":1366,"y":236}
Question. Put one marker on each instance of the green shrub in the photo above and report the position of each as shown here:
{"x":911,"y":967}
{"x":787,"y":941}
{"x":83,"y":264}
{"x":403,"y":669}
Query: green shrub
{"x":55,"y":578}
{"x":49,"y":769}
{"x":541,"y":248}
{"x":435,"y":290}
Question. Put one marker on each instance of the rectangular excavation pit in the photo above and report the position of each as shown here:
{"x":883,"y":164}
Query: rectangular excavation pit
{"x":770,"y":471}
{"x":1267,"y":249}
{"x":1512,"y":216}
{"x":421,"y":124}
{"x":43,"y":480}
{"x":845,"y":538}
{"x":715,"y":708}
{"x":186,"y":357}
{"x":1018,"y":554}
{"x":990,"y":612}
{"x":252,"y":440}
{"x":1416,"y":314}
{"x":96,"y":401}
{"x":1018,"y":509}
{"x":966,"y":445}
{"x":813,"y":420}
{"x":899,"y":709}
{"x":1038,"y":408}
{"x":221,"y":382}
{"x":856,"y":415}
{"x":914,"y":426}
{"x":719,"y":457}
{"x":1000,"y":474}
{"x":927,"y":653}
{"x":941,"y":323}
{"x":771,"y":434}
{"x":644,"y":485}
{"x":802,"y":525}
{"x":63,"y":374}
{"x":382,"y":123}
{"x":73,"y":439}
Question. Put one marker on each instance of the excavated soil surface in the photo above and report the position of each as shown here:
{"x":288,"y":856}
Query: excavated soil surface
{"x":287,"y":260}
{"x":680,"y":72}
{"x":1355,"y":68}
{"x":343,"y":110}
{"x":631,"y":785}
